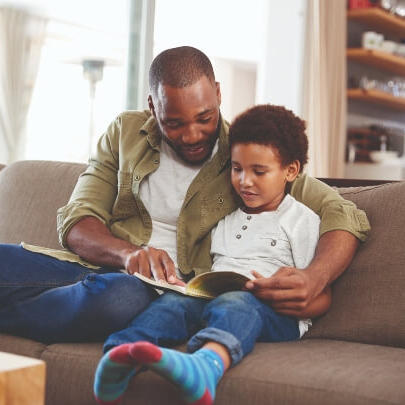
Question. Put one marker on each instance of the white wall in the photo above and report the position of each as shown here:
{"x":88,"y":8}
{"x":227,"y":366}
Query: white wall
{"x":279,"y":79}
{"x":238,"y":85}
{"x":267,"y":35}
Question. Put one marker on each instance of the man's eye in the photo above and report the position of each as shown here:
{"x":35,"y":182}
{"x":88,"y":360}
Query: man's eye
{"x":205,"y":120}
{"x":173,"y":124}
{"x":258,"y":173}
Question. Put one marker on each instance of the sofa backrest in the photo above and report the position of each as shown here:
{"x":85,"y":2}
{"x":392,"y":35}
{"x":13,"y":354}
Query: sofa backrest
{"x":30,"y":194}
{"x":368,"y":303}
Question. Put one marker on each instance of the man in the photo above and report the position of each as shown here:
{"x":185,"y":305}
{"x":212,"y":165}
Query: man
{"x":157,"y":185}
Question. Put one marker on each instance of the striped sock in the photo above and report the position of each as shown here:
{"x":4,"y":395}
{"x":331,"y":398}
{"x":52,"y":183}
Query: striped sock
{"x":196,"y":374}
{"x":113,"y":374}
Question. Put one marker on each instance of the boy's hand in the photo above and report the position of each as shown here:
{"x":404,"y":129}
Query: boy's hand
{"x":288,"y":290}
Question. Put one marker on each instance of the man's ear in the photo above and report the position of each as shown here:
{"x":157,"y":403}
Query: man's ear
{"x":151,"y":106}
{"x":218,"y":87}
{"x":293,"y":170}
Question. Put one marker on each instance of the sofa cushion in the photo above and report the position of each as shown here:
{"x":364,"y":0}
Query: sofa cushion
{"x":307,"y":372}
{"x":21,"y":346}
{"x":368,"y":302}
{"x":30,"y":194}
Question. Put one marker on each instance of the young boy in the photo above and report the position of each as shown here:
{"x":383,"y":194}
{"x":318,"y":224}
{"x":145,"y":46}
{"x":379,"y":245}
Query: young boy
{"x":271,"y":230}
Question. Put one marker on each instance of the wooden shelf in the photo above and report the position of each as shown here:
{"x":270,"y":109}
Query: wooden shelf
{"x":380,"y":59}
{"x":379,"y":19}
{"x":377,"y":97}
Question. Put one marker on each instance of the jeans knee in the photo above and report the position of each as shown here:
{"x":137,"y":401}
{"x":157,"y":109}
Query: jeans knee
{"x":235,"y":298}
{"x":117,"y":295}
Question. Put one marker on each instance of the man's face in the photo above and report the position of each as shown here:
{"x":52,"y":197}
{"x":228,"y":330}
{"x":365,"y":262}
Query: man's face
{"x":188,"y":118}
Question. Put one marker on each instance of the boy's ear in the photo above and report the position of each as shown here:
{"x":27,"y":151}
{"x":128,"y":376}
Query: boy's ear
{"x":292,"y":170}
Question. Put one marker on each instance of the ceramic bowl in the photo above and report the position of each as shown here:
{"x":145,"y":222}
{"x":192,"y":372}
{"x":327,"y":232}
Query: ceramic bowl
{"x":379,"y":156}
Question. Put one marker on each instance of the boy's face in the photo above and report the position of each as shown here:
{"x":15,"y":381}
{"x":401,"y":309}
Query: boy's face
{"x":258,"y":176}
{"x":188,"y":118}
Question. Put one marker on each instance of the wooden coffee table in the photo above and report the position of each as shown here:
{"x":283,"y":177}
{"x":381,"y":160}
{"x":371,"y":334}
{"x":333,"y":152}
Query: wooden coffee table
{"x":22,"y":380}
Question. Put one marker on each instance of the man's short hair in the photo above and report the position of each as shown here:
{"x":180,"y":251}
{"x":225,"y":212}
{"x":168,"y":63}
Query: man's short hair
{"x":272,"y":125}
{"x":179,"y":67}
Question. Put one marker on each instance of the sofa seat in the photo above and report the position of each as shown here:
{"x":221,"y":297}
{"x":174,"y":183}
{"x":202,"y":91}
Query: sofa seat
{"x":343,"y":372}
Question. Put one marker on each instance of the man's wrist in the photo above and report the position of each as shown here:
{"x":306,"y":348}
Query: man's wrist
{"x":126,"y":252}
{"x":317,"y":278}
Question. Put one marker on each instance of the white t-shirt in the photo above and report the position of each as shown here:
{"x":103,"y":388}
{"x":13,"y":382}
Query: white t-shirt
{"x":163,"y":193}
{"x":265,"y":242}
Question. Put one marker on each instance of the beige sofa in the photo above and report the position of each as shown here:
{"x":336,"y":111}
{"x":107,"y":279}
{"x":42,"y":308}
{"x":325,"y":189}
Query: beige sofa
{"x":353,"y":355}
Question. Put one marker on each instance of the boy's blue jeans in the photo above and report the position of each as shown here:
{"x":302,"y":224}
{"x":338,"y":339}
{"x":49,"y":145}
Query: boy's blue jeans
{"x":49,"y":300}
{"x":235,"y":319}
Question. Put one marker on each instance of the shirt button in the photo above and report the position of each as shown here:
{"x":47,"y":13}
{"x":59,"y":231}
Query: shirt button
{"x":273,"y":242}
{"x":244,"y":227}
{"x":238,"y":236}
{"x":249,"y":217}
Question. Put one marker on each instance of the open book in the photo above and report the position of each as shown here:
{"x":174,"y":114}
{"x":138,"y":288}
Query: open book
{"x":205,"y":285}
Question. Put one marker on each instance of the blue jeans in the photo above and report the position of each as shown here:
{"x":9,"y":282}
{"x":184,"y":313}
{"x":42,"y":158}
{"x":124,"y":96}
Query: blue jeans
{"x":49,"y":300}
{"x":235,"y":319}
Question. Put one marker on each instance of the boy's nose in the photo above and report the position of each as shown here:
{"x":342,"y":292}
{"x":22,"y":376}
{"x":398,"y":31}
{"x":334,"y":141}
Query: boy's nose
{"x":245,"y":180}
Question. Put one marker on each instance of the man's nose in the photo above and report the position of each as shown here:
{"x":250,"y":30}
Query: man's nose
{"x":192,"y":135}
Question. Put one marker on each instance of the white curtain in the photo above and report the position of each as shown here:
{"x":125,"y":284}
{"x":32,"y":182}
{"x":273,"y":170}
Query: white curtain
{"x":324,"y":92}
{"x":21,"y":39}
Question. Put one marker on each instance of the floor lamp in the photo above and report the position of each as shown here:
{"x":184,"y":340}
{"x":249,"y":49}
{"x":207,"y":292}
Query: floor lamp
{"x":93,"y":72}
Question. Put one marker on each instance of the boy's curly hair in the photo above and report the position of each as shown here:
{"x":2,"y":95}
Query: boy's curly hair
{"x":272,"y":125}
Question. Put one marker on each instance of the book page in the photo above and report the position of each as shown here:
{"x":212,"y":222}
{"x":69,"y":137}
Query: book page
{"x":212,"y":284}
{"x":161,"y":285}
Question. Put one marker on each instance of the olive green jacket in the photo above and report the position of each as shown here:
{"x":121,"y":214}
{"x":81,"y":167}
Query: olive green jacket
{"x":130,"y":150}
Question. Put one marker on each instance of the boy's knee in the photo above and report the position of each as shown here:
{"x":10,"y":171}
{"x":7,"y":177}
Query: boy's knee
{"x":235,"y":298}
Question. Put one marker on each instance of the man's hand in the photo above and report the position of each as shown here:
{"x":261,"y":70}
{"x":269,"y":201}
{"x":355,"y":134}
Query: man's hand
{"x":152,"y":263}
{"x":291,"y":291}
{"x":93,"y":241}
{"x":288,"y":290}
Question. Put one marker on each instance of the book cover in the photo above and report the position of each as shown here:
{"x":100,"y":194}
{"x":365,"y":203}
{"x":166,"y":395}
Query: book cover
{"x":206,"y":285}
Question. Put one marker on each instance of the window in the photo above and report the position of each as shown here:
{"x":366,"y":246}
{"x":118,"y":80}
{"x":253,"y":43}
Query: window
{"x":59,"y":116}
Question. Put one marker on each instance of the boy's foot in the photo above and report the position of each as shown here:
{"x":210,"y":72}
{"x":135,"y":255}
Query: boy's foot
{"x":113,"y":374}
{"x":196,"y":374}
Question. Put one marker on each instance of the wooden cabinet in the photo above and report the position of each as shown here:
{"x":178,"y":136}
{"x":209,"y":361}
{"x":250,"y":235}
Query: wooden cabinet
{"x":378,"y":19}
{"x":386,"y":23}
{"x":374,"y":114}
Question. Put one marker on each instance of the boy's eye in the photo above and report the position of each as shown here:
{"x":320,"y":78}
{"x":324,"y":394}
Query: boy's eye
{"x":236,"y":169}
{"x":259,"y":173}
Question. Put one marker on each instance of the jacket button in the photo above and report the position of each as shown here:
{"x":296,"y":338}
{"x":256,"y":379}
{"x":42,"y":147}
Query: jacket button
{"x":156,"y":161}
{"x":137,"y":177}
{"x":220,"y":200}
